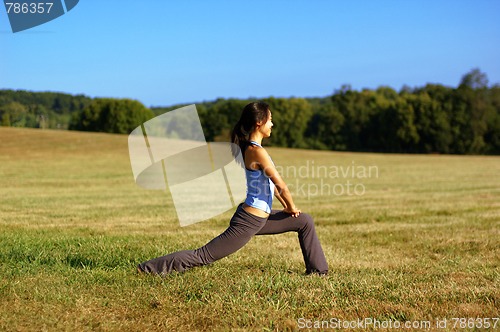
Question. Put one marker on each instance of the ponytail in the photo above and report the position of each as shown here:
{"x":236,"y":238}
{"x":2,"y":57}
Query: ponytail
{"x":239,"y":136}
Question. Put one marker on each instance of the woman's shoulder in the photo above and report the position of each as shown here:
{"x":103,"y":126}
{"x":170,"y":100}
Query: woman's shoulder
{"x":255,"y":154}
{"x":256,"y":150}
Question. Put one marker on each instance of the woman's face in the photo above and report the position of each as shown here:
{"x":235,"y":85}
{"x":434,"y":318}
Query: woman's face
{"x":265,"y":128}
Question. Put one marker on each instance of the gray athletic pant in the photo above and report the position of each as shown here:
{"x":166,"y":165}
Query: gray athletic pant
{"x":242,"y":227}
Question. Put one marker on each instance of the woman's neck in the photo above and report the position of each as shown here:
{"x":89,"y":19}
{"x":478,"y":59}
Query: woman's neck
{"x":256,"y":138}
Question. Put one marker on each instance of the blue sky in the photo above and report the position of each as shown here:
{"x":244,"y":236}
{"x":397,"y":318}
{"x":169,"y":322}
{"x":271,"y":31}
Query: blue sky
{"x":168,"y":52}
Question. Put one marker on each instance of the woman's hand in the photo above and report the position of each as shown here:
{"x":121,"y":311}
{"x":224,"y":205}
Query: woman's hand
{"x":293,"y":211}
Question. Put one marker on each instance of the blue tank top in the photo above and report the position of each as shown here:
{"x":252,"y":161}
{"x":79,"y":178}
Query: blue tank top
{"x":260,"y":188}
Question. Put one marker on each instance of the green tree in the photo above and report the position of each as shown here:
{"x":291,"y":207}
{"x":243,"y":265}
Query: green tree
{"x":14,"y":114}
{"x":431,"y":121}
{"x":358,"y":109}
{"x":475,"y":99}
{"x":492,"y":135}
{"x":112,"y":116}
{"x":392,"y":128}
{"x":474,"y":79}
{"x":218,"y":118}
{"x":290,"y":118}
{"x":324,"y":127}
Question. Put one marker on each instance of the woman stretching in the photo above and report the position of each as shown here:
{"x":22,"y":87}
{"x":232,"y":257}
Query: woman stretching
{"x":254,"y":216}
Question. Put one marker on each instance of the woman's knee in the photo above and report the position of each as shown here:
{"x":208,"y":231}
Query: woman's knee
{"x":307,"y":220}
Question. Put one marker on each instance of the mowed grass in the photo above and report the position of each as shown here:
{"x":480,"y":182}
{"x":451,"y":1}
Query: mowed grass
{"x":419,"y":240}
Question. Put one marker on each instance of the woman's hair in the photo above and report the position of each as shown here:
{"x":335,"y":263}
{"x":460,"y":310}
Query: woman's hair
{"x":252,"y":114}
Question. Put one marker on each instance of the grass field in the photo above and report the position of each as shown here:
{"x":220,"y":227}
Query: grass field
{"x":420,"y":243}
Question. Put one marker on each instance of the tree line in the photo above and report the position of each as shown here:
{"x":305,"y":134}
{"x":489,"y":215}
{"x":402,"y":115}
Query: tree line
{"x":429,"y":119}
{"x":20,"y":108}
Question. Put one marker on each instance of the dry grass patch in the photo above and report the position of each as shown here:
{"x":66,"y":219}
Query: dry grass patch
{"x":421,"y":243}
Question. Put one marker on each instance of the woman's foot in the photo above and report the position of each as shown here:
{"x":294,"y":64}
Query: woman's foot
{"x":317,"y":273}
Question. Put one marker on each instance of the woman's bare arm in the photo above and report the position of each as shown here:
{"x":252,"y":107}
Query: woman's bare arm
{"x":260,"y":159}
{"x":278,"y":196}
